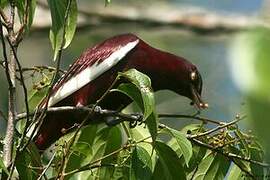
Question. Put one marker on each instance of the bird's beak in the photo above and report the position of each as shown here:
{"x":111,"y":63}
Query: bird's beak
{"x":197,"y":100}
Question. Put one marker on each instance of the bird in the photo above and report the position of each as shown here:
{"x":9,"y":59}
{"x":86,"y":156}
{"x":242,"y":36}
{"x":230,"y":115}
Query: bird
{"x":93,"y":73}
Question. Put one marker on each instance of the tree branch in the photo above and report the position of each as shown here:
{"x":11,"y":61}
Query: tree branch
{"x":203,"y":119}
{"x":8,"y":141}
{"x":217,"y":128}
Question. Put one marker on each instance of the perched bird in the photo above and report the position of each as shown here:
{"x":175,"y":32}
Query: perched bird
{"x":93,"y":73}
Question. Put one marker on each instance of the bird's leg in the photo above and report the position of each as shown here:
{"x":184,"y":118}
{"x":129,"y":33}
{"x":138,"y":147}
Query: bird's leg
{"x":133,"y":119}
{"x":113,"y":121}
{"x":137,"y":119}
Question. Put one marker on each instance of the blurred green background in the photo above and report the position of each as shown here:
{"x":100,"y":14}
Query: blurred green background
{"x":213,"y":53}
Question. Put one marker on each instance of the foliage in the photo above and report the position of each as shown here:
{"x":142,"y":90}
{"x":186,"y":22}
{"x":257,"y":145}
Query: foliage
{"x":197,"y":151}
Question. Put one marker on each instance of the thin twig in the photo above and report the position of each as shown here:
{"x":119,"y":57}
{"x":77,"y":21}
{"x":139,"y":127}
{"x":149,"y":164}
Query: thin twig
{"x":217,"y":128}
{"x":86,"y":167}
{"x":229,"y":155}
{"x":47,"y":167}
{"x":5,"y":55}
{"x":190,"y":117}
{"x":39,"y":68}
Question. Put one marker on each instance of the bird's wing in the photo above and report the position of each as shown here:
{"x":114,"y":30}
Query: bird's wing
{"x":94,"y":62}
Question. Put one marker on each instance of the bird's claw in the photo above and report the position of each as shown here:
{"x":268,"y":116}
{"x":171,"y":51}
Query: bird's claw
{"x":138,"y":120}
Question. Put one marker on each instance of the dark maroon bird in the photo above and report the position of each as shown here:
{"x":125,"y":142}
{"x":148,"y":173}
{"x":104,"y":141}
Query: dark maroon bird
{"x":93,"y":73}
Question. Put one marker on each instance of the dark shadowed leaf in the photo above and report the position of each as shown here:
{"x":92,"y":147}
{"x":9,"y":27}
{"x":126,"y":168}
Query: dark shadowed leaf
{"x":170,"y":166}
{"x":256,"y":154}
{"x":141,"y":164}
{"x":28,"y":163}
{"x":212,"y":166}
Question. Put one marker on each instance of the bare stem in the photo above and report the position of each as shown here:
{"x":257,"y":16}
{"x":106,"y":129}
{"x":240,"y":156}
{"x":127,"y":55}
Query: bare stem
{"x":11,"y":65}
{"x":217,"y":128}
{"x":190,"y":117}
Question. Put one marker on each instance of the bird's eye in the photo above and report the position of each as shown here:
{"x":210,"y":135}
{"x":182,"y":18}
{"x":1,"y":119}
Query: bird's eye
{"x":193,"y":76}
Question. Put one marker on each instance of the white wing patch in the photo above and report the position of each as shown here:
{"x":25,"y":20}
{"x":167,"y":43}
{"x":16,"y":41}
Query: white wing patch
{"x":90,"y":73}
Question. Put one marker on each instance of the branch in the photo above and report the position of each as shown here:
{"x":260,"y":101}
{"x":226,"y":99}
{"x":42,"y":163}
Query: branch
{"x":203,"y":119}
{"x":8,"y":141}
{"x":40,"y":68}
{"x":6,"y":66}
{"x":217,"y":128}
{"x":96,"y":110}
{"x":47,"y":167}
{"x":24,"y":90}
{"x":229,"y":155}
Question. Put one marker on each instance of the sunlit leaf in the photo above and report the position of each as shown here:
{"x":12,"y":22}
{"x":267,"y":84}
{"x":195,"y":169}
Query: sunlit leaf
{"x":236,"y":173}
{"x":197,"y":155}
{"x":2,"y":166}
{"x":58,"y":13}
{"x":36,"y":96}
{"x":21,"y":7}
{"x":170,"y":163}
{"x":93,"y":143}
{"x":114,"y":143}
{"x":184,"y":145}
{"x":141,"y":92}
{"x":212,"y":166}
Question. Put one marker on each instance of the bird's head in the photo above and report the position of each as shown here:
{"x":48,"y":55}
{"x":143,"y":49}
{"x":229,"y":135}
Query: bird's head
{"x":189,"y":83}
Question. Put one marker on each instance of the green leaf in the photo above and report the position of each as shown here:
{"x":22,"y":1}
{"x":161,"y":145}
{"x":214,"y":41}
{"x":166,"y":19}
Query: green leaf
{"x":141,"y":164}
{"x":170,"y":163}
{"x":107,"y":2}
{"x":2,"y":166}
{"x":256,"y":155}
{"x":36,"y":96}
{"x":3,"y":3}
{"x":58,"y":12}
{"x":71,"y":23}
{"x":184,"y":146}
{"x":94,"y":142}
{"x":21,"y":7}
{"x":28,"y":163}
{"x":114,"y":143}
{"x":236,"y":173}
{"x":122,"y":170}
{"x":212,"y":166}
{"x":198,"y":154}
{"x":141,"y":92}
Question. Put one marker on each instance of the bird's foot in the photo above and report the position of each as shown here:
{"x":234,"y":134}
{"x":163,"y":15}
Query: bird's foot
{"x":137,"y":119}
{"x":133,"y":119}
